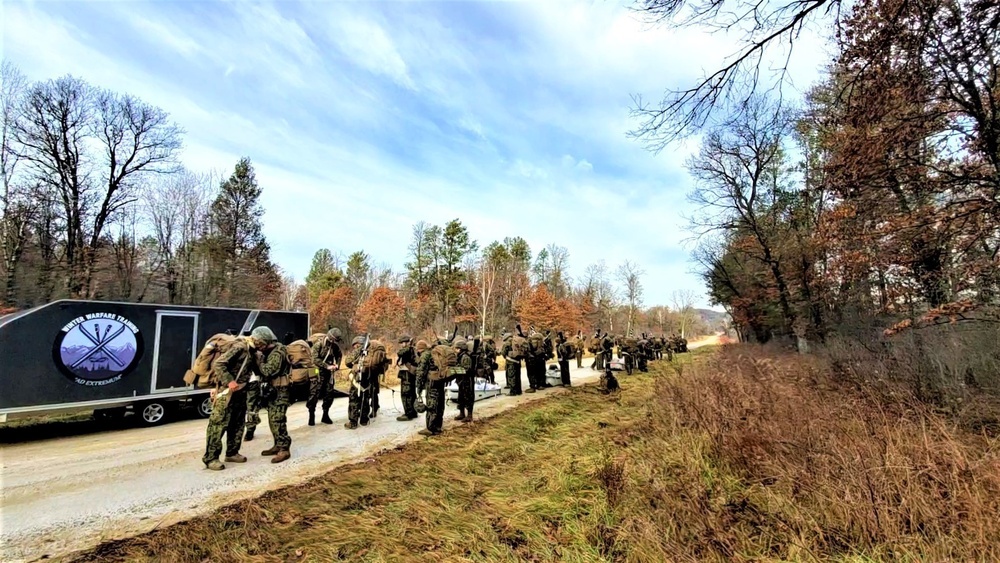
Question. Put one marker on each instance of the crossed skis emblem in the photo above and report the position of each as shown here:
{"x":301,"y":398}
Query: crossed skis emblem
{"x":100,"y":343}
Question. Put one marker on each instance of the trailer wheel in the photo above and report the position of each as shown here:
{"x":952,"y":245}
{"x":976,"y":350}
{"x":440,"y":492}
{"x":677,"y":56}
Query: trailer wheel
{"x":204,"y":407}
{"x":152,"y":413}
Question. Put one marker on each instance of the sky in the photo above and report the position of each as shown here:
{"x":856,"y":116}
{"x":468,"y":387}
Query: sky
{"x":363,"y":118}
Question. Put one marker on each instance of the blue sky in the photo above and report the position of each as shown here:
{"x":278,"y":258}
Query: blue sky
{"x":364,"y":118}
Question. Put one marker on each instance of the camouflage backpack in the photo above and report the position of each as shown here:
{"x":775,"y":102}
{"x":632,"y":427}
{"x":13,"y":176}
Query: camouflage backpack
{"x":200,"y":375}
{"x":445,"y":360}
{"x":300,"y":358}
{"x":519,"y":347}
{"x":536,"y":344}
{"x":376,"y":360}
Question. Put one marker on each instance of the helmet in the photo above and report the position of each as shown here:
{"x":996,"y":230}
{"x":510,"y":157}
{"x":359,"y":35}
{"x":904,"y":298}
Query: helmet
{"x":405,"y":338}
{"x":334,"y":334}
{"x":459,"y":343}
{"x":263,"y":334}
{"x":422,"y":346}
{"x":506,"y":336}
{"x":358,"y":341}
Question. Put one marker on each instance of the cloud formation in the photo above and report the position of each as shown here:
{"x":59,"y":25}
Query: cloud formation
{"x":362,"y":119}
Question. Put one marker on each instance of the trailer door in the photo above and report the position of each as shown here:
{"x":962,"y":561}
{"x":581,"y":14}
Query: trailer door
{"x":176,"y":347}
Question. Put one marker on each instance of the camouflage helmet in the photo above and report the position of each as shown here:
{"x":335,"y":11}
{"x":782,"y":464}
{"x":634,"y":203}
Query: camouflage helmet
{"x":460,"y":343}
{"x":506,"y":336}
{"x":358,"y":341}
{"x":264,"y":334}
{"x":422,"y":346}
{"x":403,"y":339}
{"x":488,"y":337}
{"x":334,"y":334}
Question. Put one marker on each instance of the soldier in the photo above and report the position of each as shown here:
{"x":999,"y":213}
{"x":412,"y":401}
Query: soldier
{"x":229,"y":403}
{"x":275,"y":371}
{"x":252,"y":391}
{"x":642,"y":353}
{"x":466,"y":381}
{"x":359,"y":399}
{"x":326,"y":355}
{"x":578,"y":346}
{"x":488,"y":358}
{"x":512,"y":367}
{"x":421,"y":348}
{"x":566,"y":352}
{"x":608,"y":381}
{"x":435,"y":393}
{"x":406,"y":359}
{"x":532,"y":362}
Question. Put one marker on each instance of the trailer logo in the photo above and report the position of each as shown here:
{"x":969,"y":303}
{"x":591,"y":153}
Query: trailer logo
{"x":98,"y":348}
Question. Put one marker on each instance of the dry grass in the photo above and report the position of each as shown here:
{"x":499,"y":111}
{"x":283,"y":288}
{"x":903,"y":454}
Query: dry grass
{"x":734,"y":456}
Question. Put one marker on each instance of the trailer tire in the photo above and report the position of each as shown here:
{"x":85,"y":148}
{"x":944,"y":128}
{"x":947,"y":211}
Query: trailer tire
{"x":204,"y":407}
{"x":152,"y":413}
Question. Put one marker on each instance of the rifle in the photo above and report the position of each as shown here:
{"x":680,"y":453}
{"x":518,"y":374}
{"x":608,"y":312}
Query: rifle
{"x":519,"y":332}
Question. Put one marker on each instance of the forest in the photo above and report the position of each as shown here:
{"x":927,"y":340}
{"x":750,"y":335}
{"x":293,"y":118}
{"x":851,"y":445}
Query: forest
{"x":97,"y":206}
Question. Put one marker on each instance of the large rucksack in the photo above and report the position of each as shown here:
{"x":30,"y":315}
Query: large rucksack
{"x":200,"y":375}
{"x":519,"y":347}
{"x":376,"y":359}
{"x":300,"y":358}
{"x":630,"y":342}
{"x":537,"y":345}
{"x":445,"y":360}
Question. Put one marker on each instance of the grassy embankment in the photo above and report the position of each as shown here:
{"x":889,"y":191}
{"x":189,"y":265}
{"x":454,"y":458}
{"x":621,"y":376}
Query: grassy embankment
{"x":729,"y":456}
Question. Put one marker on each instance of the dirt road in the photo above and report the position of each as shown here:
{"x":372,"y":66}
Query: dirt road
{"x":67,"y":494}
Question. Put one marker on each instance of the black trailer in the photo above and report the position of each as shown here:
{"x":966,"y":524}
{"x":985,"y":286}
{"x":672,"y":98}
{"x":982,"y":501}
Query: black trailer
{"x":72,"y":355}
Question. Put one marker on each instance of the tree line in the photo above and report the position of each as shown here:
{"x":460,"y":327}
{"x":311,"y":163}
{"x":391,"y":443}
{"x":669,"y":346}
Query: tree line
{"x":872,"y":203}
{"x":95,"y":205}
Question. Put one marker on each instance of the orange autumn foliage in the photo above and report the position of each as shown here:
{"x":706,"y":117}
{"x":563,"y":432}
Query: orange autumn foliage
{"x":334,"y":307}
{"x":383,"y":312}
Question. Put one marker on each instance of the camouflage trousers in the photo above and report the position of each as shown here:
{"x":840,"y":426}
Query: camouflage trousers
{"x":321,"y":388}
{"x":513,"y":370}
{"x":421,"y":387}
{"x":277,"y":417}
{"x":564,"y":371}
{"x":579,"y":359}
{"x":598,"y":362}
{"x":228,"y":417}
{"x":642,"y":363}
{"x":376,"y":386}
{"x":408,"y":392}
{"x":359,"y":403}
{"x":536,"y":373}
{"x":435,"y":406}
{"x":466,"y":393}
{"x":253,"y":405}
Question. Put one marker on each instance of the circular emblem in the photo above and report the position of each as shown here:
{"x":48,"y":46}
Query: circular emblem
{"x":98,"y":348}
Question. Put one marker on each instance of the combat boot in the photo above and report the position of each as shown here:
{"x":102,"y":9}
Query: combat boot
{"x":351,"y":425}
{"x":529,"y":390}
{"x":249,"y":435}
{"x":282,"y":456}
{"x":461,"y":416}
{"x":326,"y":417}
{"x":405,"y":418}
{"x":271,"y":451}
{"x":236,"y":458}
{"x":426,"y":432}
{"x":312,"y":418}
{"x":215,"y":465}
{"x":468,"y":418}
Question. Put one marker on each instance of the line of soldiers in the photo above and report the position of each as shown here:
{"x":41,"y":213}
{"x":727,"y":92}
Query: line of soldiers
{"x":254,"y":373}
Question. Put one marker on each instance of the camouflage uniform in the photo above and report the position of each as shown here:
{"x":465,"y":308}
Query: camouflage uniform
{"x":578,"y":345}
{"x":422,"y":349}
{"x":325,"y":352}
{"x":252,"y":391}
{"x":406,"y":359}
{"x":565,"y":353}
{"x":608,"y":380}
{"x":488,"y":359}
{"x":359,"y":397}
{"x":466,"y":382}
{"x":275,"y":370}
{"x":642,"y":354}
{"x":435,"y":395}
{"x":512,"y":366}
{"x":229,"y":407}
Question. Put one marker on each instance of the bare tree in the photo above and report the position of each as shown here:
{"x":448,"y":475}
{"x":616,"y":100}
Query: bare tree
{"x":486,"y":276}
{"x":629,"y":274}
{"x":765,"y":26}
{"x":17,"y":207}
{"x":603,"y":291}
{"x":176,"y":209}
{"x":60,"y":122}
{"x":683,"y":301}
